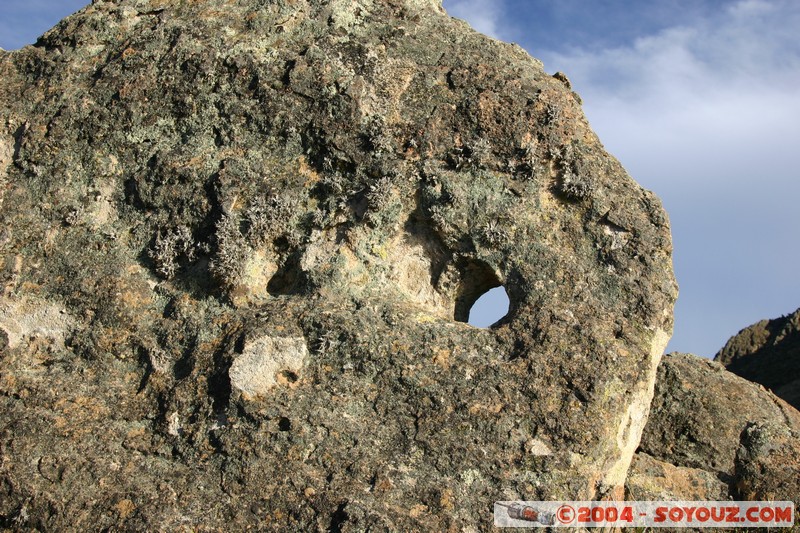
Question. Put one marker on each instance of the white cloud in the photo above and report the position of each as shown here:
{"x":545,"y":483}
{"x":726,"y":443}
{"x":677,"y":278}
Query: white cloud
{"x":718,"y":83}
{"x":482,"y":15}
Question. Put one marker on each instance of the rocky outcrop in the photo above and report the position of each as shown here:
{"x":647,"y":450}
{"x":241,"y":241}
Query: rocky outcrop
{"x":246,"y":236}
{"x":768,"y":463}
{"x":768,"y":353}
{"x":714,"y":435}
{"x":650,"y":479}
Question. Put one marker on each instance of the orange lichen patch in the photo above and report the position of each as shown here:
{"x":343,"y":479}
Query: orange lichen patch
{"x":442,"y":358}
{"x":297,"y":453}
{"x":311,"y":175}
{"x":7,"y":381}
{"x":418,"y":510}
{"x":126,"y":91}
{"x":77,"y":416}
{"x":447,"y":500}
{"x":136,"y":297}
{"x":398,"y":346}
{"x":490,"y":408}
{"x":125,"y":508}
{"x":30,"y":286}
{"x":383,"y":484}
{"x":135,"y":432}
{"x":209,"y":346}
{"x":488,"y":105}
{"x":109,"y":339}
{"x":82,"y":405}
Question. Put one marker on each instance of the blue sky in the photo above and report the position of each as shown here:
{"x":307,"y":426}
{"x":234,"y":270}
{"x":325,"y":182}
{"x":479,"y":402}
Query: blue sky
{"x":699,"y":100}
{"x":22,"y":21}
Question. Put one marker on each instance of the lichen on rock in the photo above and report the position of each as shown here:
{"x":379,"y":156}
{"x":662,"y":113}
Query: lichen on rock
{"x":713,"y":435}
{"x":768,"y":352}
{"x":226,"y":194}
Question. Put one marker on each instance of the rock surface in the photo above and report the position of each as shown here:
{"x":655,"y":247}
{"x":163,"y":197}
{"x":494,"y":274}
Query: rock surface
{"x":768,"y":353}
{"x":768,"y":463}
{"x":240,"y":240}
{"x":701,"y":440}
{"x":651,"y":480}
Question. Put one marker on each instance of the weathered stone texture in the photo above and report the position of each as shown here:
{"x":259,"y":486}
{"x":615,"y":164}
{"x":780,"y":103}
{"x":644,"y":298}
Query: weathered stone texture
{"x":768,"y":463}
{"x":708,"y":424}
{"x":768,"y":353}
{"x":652,"y":480}
{"x":192,"y":184}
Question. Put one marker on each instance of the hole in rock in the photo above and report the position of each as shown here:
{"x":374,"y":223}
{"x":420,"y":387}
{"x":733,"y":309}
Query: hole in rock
{"x":489,"y":308}
{"x":477,"y":280}
{"x":284,"y":424}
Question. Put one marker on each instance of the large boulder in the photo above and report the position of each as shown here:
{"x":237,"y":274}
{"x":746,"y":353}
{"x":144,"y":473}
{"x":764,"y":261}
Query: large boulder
{"x":768,"y":352}
{"x":240,"y":241}
{"x":651,"y":479}
{"x":714,"y":435}
{"x":768,"y":463}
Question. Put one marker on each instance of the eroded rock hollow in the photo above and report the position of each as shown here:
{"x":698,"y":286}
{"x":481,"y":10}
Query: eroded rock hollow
{"x":240,"y":241}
